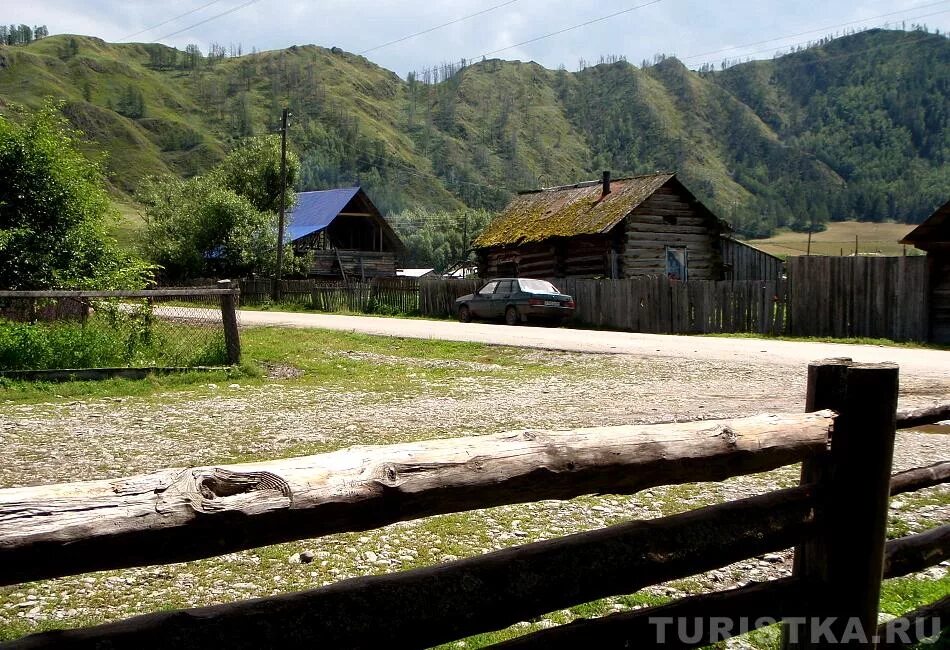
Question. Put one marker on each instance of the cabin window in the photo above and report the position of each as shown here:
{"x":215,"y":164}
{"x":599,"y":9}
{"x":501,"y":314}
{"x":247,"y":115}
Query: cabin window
{"x":670,"y":219}
{"x":676,"y":263}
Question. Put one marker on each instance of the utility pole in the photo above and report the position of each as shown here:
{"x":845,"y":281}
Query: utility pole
{"x":465,"y":235}
{"x":283,"y":195}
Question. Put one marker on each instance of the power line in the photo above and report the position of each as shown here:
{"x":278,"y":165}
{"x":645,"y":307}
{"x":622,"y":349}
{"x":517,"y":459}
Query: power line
{"x":208,"y":20}
{"x":570,"y":28}
{"x":432,"y":29}
{"x":885,"y":45}
{"x":812,"y":31}
{"x":170,"y":20}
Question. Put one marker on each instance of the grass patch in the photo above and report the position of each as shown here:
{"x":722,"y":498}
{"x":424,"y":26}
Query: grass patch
{"x":113,"y":335}
{"x":901,"y":595}
{"x":839,"y":238}
{"x":394,"y":367}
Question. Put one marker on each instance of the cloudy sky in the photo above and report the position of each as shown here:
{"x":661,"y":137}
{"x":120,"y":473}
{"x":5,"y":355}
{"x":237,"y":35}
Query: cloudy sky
{"x":696,"y":31}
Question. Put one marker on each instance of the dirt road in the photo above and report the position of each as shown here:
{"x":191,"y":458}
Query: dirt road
{"x":921,"y":363}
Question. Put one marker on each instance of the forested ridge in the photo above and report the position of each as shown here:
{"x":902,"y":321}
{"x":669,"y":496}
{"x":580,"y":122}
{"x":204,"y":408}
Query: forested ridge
{"x":856,"y":127}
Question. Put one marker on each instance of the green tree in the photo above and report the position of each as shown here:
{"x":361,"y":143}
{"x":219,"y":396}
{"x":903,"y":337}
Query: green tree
{"x":198,"y":228}
{"x":253,"y":171}
{"x":223,"y":223}
{"x":439,"y":239}
{"x":54,"y":211}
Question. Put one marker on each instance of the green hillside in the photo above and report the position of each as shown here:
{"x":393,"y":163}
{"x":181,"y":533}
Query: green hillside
{"x":856,"y":128}
{"x":873,"y":107}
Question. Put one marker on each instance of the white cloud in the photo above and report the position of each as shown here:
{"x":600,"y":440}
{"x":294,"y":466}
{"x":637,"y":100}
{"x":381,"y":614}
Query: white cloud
{"x":670,"y":26}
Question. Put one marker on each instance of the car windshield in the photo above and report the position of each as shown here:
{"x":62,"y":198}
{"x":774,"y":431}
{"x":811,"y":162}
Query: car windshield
{"x":537,"y":286}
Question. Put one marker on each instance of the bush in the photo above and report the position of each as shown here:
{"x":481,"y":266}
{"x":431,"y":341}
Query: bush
{"x":107,"y":340}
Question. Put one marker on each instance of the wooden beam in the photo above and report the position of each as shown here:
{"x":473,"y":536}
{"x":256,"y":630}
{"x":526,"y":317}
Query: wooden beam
{"x":232,"y":335}
{"x":770,"y":600}
{"x":185,"y":514}
{"x":920,"y":478}
{"x":910,"y":418}
{"x":432,"y":605}
{"x":757,"y":605}
{"x":912,"y":553}
{"x":151,"y":293}
{"x":847,"y":559}
{"x":915,"y":626}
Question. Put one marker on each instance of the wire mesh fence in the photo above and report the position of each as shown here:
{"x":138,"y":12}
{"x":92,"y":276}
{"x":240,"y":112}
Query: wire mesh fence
{"x":58,"y":330}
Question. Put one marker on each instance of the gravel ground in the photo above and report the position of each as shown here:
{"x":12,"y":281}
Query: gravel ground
{"x":110,"y":437}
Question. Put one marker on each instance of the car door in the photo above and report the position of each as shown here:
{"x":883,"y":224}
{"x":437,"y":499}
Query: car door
{"x":480,"y":305}
{"x":500,"y":298}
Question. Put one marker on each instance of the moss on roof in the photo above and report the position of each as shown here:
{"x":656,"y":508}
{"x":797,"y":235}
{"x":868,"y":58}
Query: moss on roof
{"x":569,"y":211}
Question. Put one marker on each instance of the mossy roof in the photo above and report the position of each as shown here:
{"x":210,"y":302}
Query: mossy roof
{"x":569,"y":211}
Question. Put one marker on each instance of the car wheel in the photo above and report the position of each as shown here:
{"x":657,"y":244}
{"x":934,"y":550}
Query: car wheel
{"x":511,"y":316}
{"x":465,"y":314}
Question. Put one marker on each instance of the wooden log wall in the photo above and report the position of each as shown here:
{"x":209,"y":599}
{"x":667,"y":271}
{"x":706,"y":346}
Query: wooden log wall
{"x":939,"y":262}
{"x":877,"y":297}
{"x":356,"y":264}
{"x":669,"y":218}
{"x":742,"y":262}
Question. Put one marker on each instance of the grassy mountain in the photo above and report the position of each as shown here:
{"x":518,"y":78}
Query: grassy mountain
{"x":854,"y":128}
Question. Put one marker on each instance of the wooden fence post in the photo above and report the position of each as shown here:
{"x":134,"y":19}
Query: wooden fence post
{"x":232,"y":337}
{"x":845,"y":562}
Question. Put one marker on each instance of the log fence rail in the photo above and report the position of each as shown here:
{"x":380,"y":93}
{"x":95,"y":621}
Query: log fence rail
{"x":845,"y":442}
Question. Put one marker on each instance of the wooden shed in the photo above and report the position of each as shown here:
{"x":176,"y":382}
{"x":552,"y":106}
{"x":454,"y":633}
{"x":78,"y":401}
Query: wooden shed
{"x":621,"y":228}
{"x":344,"y":234}
{"x":933,"y":236}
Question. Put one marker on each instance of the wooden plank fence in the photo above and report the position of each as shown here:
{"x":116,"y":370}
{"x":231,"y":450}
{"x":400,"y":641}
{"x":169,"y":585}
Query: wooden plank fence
{"x":380,"y":295}
{"x":744,"y":262}
{"x":658,"y":305}
{"x":879,"y":297}
{"x":835,"y":519}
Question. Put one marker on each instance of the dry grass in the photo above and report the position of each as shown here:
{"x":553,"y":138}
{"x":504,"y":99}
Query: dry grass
{"x":838,"y":239}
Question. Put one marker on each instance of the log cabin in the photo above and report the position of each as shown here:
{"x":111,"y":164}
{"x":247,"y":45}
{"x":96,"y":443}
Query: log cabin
{"x":621,"y":228}
{"x":344,"y":234}
{"x":933,"y":236}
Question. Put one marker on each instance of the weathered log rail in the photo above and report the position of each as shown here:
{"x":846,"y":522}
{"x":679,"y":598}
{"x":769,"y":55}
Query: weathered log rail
{"x":186,"y":514}
{"x":835,"y":519}
{"x":910,"y":418}
{"x":432,"y":605}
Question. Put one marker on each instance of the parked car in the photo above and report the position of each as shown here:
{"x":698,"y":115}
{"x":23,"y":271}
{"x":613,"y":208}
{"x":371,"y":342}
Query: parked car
{"x":516,"y":300}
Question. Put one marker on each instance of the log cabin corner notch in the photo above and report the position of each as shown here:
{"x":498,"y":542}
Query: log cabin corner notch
{"x":344,"y":233}
{"x":619,"y":228}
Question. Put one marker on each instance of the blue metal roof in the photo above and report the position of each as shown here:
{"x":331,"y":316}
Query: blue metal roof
{"x":315,"y":211}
